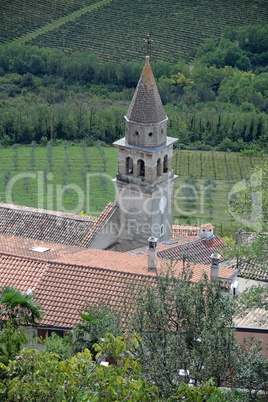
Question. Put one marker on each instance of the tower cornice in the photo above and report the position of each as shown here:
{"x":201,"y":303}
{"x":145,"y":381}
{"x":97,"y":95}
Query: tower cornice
{"x":145,"y":124}
{"x":149,"y":150}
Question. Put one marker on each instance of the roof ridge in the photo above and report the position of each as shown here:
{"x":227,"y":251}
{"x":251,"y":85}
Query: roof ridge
{"x":69,"y":264}
{"x":66,"y":215}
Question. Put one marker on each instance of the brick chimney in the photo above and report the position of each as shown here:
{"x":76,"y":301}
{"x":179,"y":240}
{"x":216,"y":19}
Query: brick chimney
{"x":215,"y":266}
{"x":152,"y":256}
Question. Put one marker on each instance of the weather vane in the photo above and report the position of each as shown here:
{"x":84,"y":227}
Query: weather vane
{"x":149,"y":41}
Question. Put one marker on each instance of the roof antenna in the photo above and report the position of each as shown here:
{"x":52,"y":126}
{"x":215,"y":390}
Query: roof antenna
{"x":149,"y":42}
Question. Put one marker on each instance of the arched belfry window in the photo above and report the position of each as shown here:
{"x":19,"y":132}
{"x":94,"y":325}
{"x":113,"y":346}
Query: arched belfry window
{"x":129,"y":165}
{"x":165,"y":164}
{"x":141,"y":167}
{"x":158,"y":168}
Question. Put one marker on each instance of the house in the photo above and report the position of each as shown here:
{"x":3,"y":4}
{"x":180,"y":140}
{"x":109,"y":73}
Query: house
{"x":63,"y":277}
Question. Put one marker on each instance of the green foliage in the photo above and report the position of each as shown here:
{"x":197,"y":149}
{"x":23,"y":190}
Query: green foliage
{"x":18,"y":308}
{"x":204,"y":392}
{"x":185,"y":327}
{"x":42,"y":375}
{"x":190,"y":191}
{"x":83,"y":98}
{"x":252,"y":371}
{"x":97,"y":321}
{"x":67,"y":25}
{"x":248,"y":203}
{"x":11,"y":342}
{"x":62,"y":347}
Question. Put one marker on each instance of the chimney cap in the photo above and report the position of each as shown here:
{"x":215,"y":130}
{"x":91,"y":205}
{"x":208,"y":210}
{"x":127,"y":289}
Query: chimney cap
{"x":152,"y":239}
{"x":152,"y":243}
{"x":215,"y":256}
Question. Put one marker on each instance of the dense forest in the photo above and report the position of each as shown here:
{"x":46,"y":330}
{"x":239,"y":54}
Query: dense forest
{"x":218,"y":102}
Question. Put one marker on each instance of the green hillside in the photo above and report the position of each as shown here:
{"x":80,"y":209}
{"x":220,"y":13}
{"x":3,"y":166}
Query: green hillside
{"x":74,"y":165}
{"x":115,"y":29}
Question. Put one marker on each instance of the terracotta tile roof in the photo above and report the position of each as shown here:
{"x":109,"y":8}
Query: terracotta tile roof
{"x":165,"y":245}
{"x":198,"y":250}
{"x":23,"y":274}
{"x":249,"y":270}
{"x":98,"y":224}
{"x":180,"y":230}
{"x":255,"y":318}
{"x":64,"y":280}
{"x":44,"y":225}
{"x":146,"y":105}
{"x":50,"y":226}
{"x":207,"y":226}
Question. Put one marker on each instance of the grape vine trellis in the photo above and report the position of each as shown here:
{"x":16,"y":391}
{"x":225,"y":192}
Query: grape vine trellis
{"x":115,"y":31}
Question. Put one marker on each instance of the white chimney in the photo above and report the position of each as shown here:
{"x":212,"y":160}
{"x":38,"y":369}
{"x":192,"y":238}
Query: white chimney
{"x":206,"y":231}
{"x":152,"y":256}
{"x":215,"y":266}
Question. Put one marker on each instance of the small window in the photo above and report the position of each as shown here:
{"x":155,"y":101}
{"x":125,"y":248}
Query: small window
{"x":129,"y":165}
{"x":137,"y":133}
{"x":150,"y":134}
{"x":162,"y":131}
{"x":141,"y":168}
{"x":158,"y":168}
{"x":165,"y":164}
{"x":162,"y":230}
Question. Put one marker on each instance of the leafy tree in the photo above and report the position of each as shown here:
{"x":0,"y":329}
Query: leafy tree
{"x":50,"y":154}
{"x":32,"y":158}
{"x":204,"y":392}
{"x":62,"y":347}
{"x":97,"y":321}
{"x":102,"y":155}
{"x":85,"y":154}
{"x":190,"y":190}
{"x":11,"y":342}
{"x":252,"y":370}
{"x":39,"y":375}
{"x":186,"y":328}
{"x":210,"y":186}
{"x":15,"y":157}
{"x":18,"y":308}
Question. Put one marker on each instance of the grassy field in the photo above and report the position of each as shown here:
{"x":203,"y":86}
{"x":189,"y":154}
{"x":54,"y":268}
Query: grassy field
{"x":114,"y":29}
{"x":42,"y":186}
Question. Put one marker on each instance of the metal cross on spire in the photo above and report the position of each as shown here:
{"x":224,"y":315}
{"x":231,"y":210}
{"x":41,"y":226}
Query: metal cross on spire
{"x":149,"y":41}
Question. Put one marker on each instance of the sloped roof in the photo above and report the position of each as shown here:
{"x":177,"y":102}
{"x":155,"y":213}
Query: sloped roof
{"x":98,"y":224}
{"x":207,"y":226}
{"x":198,"y":250}
{"x":165,"y":245}
{"x":50,"y":226}
{"x":254,"y":318}
{"x":249,"y":270}
{"x":64,"y":277}
{"x":146,"y":105}
{"x":181,"y":230}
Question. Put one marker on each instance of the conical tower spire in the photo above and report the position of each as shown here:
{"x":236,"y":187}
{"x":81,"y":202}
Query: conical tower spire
{"x":146,"y":106}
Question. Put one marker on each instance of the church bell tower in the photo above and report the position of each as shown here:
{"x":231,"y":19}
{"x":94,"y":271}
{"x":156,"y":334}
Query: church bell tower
{"x":145,"y":179}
